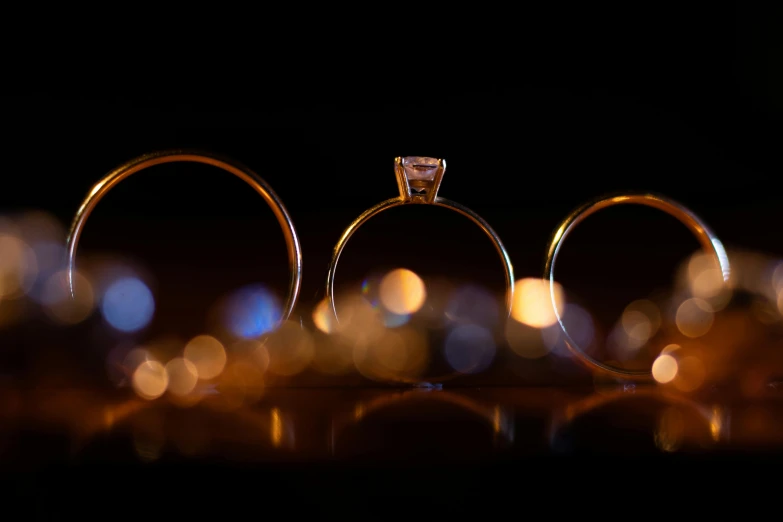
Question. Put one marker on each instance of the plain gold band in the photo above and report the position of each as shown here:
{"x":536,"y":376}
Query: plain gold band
{"x":100,"y":189}
{"x":440,"y":202}
{"x":709,"y":242}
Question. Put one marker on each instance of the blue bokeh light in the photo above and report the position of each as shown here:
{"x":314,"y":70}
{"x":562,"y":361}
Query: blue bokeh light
{"x":252,"y":311}
{"x":392,"y":320}
{"x":473,"y":304}
{"x":128,"y":304}
{"x":579,"y":324}
{"x":470,"y":348}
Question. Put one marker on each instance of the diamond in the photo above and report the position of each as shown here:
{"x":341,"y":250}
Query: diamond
{"x":420,"y":168}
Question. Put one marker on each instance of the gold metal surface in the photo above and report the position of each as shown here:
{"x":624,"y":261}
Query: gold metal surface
{"x":709,"y":242}
{"x":430,"y":197}
{"x":102,"y":187}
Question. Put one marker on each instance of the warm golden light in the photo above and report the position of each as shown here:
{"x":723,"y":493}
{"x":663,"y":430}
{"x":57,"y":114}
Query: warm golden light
{"x":291,"y":348}
{"x":402,"y":292}
{"x":150,"y":380}
{"x":392,"y":352}
{"x":690,"y":374}
{"x":323,"y":317}
{"x":664,"y":369}
{"x":637,"y":326}
{"x":240,"y":384}
{"x":276,"y":428}
{"x":705,"y":279}
{"x":333,"y":356}
{"x":253,"y":351}
{"x":716,"y":423}
{"x":670,"y":348}
{"x":708,"y":283}
{"x":641,"y":320}
{"x":400,"y":354}
{"x":529,"y":342}
{"x":18,"y":266}
{"x":58,"y":303}
{"x":671,"y":430}
{"x":533,"y":303}
{"x":359,"y":321}
{"x":208,"y":356}
{"x":704,"y":276}
{"x":694,"y":317}
{"x":183,"y":376}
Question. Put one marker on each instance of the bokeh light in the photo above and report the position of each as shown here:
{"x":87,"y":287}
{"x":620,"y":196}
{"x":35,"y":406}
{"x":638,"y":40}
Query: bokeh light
{"x":691,"y":374}
{"x":670,"y":348}
{"x":323,"y":317}
{"x":207,"y":354}
{"x":134,"y":358}
{"x":694,"y":317}
{"x":60,"y":306}
{"x":333,"y":356}
{"x":474,"y":305}
{"x":391,"y":320}
{"x":641,"y":320}
{"x":527,"y":341}
{"x":128,"y":304}
{"x":392,"y":353}
{"x":18,"y":267}
{"x":251,"y":350}
{"x":399,"y":355}
{"x":359,"y":321}
{"x":402,"y":292}
{"x":240,"y":384}
{"x":371,"y":292}
{"x":38,"y":226}
{"x":580,"y":327}
{"x":664,"y":368}
{"x":252,"y":311}
{"x":50,"y":257}
{"x":533,"y":303}
{"x":291,"y":349}
{"x":150,"y":380}
{"x":469,"y":348}
{"x":705,"y":280}
{"x":183,"y":376}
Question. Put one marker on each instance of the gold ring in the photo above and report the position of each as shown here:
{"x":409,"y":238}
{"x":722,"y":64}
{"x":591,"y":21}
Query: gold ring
{"x":418,"y":180}
{"x":103,"y":186}
{"x":709,"y":242}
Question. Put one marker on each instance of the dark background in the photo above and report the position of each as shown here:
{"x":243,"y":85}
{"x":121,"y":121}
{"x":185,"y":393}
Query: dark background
{"x":566,"y":105}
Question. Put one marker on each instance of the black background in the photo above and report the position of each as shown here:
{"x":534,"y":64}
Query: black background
{"x":565,"y":105}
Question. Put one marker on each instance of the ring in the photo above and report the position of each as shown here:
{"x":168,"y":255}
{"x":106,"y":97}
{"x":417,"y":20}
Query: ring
{"x":418,"y":180}
{"x":709,"y":242}
{"x":100,"y":189}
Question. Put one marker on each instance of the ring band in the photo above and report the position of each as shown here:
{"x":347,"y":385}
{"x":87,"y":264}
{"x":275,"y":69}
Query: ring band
{"x":418,"y":180}
{"x":103,"y":186}
{"x":709,"y":242}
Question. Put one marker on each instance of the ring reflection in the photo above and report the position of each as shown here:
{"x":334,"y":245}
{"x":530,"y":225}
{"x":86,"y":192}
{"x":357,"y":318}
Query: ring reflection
{"x":637,"y":419}
{"x":442,"y":421}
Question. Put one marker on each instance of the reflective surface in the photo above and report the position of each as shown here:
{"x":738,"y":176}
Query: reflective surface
{"x":343,"y":451}
{"x":375,"y":425}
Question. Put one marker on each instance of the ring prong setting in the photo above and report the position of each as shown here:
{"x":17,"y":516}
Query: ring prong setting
{"x":419,"y":177}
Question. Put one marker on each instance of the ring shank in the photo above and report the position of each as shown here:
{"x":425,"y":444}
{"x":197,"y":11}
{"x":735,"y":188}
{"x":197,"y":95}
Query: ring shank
{"x":102,"y":187}
{"x":707,"y":238}
{"x":440,"y":202}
